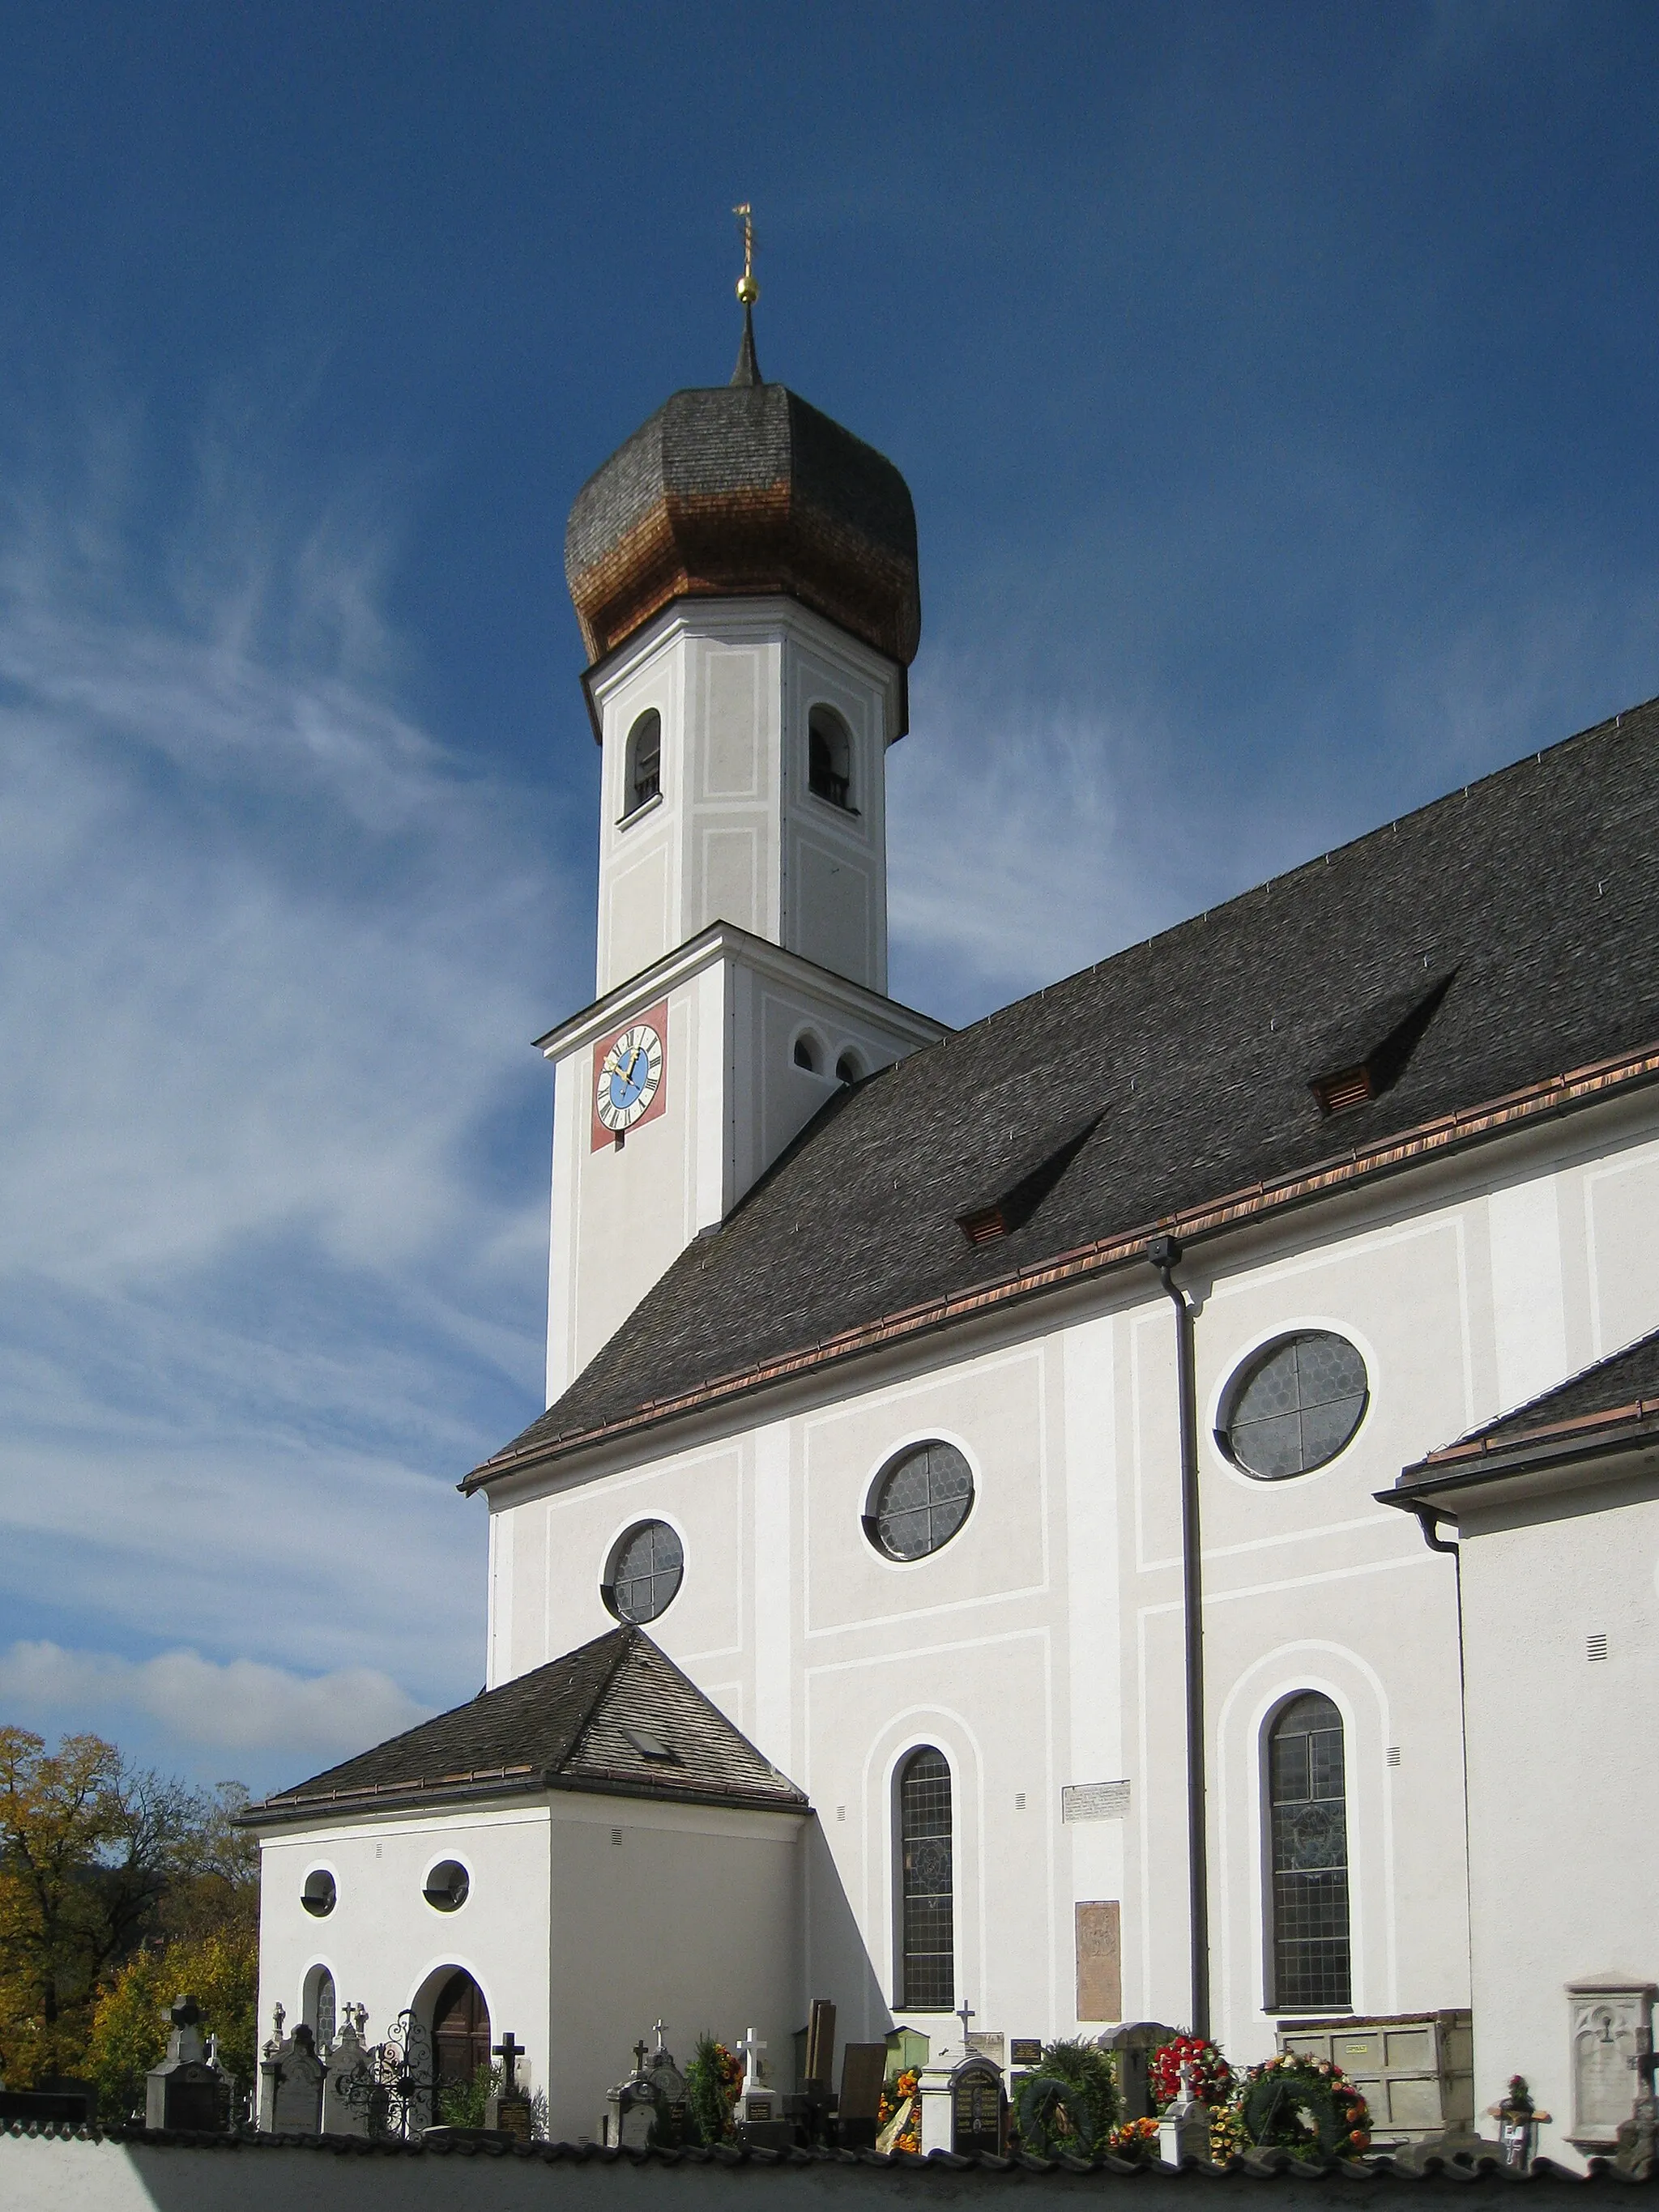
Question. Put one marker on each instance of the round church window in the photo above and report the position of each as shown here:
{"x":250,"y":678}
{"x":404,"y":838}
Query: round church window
{"x":446,"y":1887}
{"x":920,"y":1501}
{"x":318,"y":1893}
{"x":643,"y":1578}
{"x":1295,"y":1405}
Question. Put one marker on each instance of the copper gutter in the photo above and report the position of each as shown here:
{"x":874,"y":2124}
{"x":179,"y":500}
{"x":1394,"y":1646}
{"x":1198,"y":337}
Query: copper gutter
{"x":1446,"y":1135}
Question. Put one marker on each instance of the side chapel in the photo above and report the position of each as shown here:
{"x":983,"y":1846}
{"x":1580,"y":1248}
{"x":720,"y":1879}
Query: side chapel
{"x":990,"y":1543}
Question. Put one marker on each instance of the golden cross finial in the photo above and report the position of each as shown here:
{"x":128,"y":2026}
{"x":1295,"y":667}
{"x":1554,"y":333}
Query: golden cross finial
{"x":748,"y":289}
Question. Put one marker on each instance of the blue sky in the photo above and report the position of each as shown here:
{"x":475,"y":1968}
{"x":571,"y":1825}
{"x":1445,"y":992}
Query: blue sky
{"x":1276,"y":389}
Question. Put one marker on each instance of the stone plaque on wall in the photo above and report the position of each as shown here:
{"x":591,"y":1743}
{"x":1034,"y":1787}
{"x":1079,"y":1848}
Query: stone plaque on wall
{"x":990,"y":2043}
{"x":1099,"y":1960}
{"x":1094,"y":1801}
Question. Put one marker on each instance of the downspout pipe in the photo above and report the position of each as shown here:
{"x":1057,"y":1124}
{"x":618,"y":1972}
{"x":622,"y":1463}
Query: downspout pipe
{"x":1165,"y":1254}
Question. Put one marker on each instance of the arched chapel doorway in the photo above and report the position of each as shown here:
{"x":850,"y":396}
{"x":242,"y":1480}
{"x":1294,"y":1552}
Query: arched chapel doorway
{"x":460,"y":2030}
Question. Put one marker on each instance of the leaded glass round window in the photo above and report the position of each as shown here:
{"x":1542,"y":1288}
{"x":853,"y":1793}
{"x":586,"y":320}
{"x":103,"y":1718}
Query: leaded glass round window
{"x":920,"y":1500}
{"x":645,"y":1571}
{"x":1295,"y":1405}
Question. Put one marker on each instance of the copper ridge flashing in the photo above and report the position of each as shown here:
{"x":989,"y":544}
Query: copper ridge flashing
{"x":1445,"y":1134}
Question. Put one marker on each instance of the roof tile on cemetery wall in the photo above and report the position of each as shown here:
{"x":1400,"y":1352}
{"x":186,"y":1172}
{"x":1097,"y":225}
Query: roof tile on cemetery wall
{"x":1477,"y":2178}
{"x":560,"y":1727}
{"x":1192,"y":1057}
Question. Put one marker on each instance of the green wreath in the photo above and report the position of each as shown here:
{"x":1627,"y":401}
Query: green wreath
{"x":1069,"y":2108}
{"x":1291,"y":2103}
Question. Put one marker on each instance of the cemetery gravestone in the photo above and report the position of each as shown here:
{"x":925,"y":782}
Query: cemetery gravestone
{"x":508,"y":2108}
{"x":1134,"y":2044}
{"x":668,"y":2092}
{"x":184,"y":2090}
{"x":291,"y":2078}
{"x":354,"y":2103}
{"x":863,"y":2071}
{"x":964,"y":2108}
{"x":630,"y":2110}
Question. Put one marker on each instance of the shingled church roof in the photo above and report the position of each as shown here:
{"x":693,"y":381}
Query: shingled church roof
{"x":616,"y":1717}
{"x":1488,"y":960}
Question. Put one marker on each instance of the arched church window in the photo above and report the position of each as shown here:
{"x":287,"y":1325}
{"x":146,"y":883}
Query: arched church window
{"x":847,"y":1068}
{"x":318,"y":2010}
{"x":927,"y":1884}
{"x":828,"y":757}
{"x":920,"y":1501}
{"x":1307,"y":1840}
{"x":642,"y":766}
{"x":805,"y":1054}
{"x":460,"y":2032}
{"x":644,"y":1570}
{"x":1295,"y":1405}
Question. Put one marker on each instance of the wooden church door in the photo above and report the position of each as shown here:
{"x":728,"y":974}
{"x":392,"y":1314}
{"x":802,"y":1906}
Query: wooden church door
{"x":460,"y":2030}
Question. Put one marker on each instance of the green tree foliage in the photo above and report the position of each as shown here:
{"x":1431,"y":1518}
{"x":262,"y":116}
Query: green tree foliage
{"x":98,"y":1857}
{"x":218,"y":1968}
{"x":461,"y":2104}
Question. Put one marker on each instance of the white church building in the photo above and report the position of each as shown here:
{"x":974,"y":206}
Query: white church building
{"x":996,"y":1532}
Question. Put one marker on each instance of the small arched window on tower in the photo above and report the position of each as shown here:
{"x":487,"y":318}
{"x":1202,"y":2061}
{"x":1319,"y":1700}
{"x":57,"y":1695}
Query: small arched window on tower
{"x":927,"y":1884}
{"x":829,"y":757}
{"x":642,"y":768}
{"x":1308,"y":1844}
{"x":805,"y":1054}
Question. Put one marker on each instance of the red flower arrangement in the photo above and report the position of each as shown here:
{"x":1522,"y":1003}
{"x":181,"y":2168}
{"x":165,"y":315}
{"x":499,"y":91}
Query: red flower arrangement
{"x":1213,"y":2077}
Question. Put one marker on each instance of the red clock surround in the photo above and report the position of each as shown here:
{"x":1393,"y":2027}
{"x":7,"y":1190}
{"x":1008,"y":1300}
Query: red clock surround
{"x":654,"y":1018}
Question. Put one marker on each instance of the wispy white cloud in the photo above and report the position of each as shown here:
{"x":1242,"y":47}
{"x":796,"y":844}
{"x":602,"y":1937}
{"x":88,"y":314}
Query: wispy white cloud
{"x":271,"y":956}
{"x":235,"y":1707}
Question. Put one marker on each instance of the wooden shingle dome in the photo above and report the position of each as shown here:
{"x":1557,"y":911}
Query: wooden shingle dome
{"x":740,"y":490}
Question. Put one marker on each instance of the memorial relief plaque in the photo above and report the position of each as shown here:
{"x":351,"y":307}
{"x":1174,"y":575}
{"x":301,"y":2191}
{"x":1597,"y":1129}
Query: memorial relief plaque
{"x":1099,"y":1960}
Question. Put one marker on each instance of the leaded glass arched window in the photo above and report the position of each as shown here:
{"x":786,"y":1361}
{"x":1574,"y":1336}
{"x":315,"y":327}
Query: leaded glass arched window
{"x":1308,"y":1840}
{"x":926,"y":1885}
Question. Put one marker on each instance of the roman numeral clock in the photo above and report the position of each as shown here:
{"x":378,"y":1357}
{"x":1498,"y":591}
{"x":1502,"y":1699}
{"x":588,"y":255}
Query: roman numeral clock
{"x":630,"y":1068}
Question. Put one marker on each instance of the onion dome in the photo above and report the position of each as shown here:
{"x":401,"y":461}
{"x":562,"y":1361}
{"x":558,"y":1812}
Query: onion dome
{"x":741,"y":491}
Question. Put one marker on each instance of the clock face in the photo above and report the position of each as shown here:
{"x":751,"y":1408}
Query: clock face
{"x":629,"y":1078}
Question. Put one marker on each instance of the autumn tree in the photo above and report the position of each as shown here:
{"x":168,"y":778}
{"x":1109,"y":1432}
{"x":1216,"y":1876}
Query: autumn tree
{"x":96,"y":1856}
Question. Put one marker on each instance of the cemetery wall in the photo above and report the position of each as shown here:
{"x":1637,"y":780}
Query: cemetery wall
{"x":1041,"y":1647}
{"x":44,"y":2174}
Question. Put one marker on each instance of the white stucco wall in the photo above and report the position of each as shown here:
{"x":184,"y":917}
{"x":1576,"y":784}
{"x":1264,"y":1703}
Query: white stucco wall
{"x":1042,"y":1645}
{"x":1563,"y":1783}
{"x":588,"y":1918}
{"x":736,"y":835}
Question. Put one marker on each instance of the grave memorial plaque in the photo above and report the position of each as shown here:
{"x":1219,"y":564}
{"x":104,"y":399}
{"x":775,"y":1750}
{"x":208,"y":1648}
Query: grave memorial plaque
{"x":291,"y":2080}
{"x":1027,"y":2051}
{"x":1610,"y":2031}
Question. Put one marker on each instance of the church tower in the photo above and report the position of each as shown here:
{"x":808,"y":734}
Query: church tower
{"x":744,"y":574}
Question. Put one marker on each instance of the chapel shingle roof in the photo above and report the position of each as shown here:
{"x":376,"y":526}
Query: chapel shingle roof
{"x":564,"y":1726}
{"x":1488,"y":943}
{"x":1614,"y":1403}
